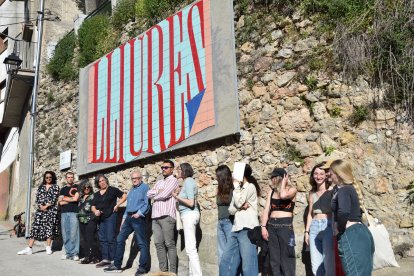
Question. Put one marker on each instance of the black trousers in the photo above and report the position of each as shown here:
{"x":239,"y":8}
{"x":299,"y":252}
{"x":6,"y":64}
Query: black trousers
{"x":89,"y":245}
{"x":281,"y":247}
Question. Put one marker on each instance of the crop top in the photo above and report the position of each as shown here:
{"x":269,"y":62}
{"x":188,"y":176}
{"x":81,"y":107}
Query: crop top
{"x":322,"y":204}
{"x":285,"y":205}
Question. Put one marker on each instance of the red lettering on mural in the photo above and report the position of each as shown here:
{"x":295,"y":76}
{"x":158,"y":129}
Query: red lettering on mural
{"x":95,"y":119}
{"x":121,"y":106}
{"x":110,"y":159}
{"x":193,"y":45}
{"x":174,"y":70}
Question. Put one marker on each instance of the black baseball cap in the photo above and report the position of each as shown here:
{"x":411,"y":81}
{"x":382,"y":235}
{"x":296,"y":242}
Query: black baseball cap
{"x":278,"y":172}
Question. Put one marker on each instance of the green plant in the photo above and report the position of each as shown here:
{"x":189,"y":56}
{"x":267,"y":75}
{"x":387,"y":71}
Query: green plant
{"x":250,"y":84}
{"x":410,"y":193}
{"x":336,"y":111}
{"x":328,"y":150}
{"x":311,"y":82}
{"x":50,"y":97}
{"x":155,"y":10}
{"x":316,"y":63}
{"x":61,"y":66}
{"x":96,"y":38}
{"x":124,"y":12}
{"x":294,"y":155}
{"x":359,"y":115}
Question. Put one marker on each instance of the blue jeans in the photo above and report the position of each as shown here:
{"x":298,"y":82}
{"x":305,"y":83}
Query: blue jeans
{"x":70,"y":233}
{"x":223,"y":235}
{"x":356,"y":249}
{"x":139,"y":227}
{"x":239,"y":249}
{"x":321,"y":247}
{"x":106,"y":234}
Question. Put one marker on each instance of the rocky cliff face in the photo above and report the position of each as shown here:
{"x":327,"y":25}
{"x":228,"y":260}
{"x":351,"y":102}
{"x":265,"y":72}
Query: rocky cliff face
{"x":294,"y":112}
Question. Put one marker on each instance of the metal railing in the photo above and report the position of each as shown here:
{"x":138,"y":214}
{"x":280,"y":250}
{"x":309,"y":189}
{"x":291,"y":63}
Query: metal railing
{"x":26,"y":52}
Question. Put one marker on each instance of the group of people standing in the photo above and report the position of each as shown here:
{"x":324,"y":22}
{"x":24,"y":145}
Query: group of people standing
{"x":334,"y":215}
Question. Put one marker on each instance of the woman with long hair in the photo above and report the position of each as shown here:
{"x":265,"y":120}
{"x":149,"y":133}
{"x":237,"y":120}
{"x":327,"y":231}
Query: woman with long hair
{"x":190,"y":215}
{"x":318,"y":233}
{"x":277,"y":227}
{"x":45,"y":223}
{"x":355,"y":242}
{"x":239,"y":248}
{"x":223,"y":199}
{"x":87,"y":224}
{"x":104,"y":205}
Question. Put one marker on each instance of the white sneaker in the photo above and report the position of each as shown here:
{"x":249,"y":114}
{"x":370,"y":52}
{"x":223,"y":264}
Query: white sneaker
{"x":26,"y":251}
{"x":48,"y":250}
{"x":64,"y":257}
{"x":75,"y":258}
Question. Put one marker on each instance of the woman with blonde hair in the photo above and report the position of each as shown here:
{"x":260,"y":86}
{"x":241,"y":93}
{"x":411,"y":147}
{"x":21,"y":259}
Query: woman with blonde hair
{"x":355,"y":243}
{"x":318,"y":233}
{"x":277,"y":224}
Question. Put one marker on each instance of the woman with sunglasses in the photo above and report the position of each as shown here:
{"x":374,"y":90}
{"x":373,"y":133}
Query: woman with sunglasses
{"x":45,"y":224}
{"x":104,"y":205}
{"x":87,"y":224}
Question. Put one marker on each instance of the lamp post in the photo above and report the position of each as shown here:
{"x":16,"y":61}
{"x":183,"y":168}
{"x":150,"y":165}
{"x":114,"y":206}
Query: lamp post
{"x":33,"y":113}
{"x":12,"y":62}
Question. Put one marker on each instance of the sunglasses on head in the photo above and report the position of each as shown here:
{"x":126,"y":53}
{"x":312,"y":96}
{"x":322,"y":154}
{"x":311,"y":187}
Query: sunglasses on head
{"x":165,"y":168}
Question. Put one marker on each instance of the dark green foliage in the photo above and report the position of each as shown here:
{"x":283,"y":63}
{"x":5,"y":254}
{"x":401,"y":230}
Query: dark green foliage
{"x":311,"y":82}
{"x":61,"y":66}
{"x":359,"y":115}
{"x":124,"y":12}
{"x":154,"y":11}
{"x":95,"y":38}
{"x":293,"y":154}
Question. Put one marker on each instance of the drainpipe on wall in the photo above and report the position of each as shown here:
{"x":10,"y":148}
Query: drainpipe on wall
{"x":33,"y":114}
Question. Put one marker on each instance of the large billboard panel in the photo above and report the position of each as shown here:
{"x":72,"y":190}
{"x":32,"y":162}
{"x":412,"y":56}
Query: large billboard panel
{"x":172,"y":86}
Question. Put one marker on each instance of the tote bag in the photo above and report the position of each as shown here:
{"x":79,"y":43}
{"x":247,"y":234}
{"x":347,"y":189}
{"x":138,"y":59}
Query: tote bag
{"x":383,"y":255}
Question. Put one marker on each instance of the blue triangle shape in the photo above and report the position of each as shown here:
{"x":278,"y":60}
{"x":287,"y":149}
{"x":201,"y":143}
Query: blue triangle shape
{"x":192,"y":107}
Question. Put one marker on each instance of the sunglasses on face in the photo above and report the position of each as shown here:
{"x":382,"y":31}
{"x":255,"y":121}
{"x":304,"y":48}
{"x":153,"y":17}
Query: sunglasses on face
{"x":87,"y":188}
{"x":165,"y":168}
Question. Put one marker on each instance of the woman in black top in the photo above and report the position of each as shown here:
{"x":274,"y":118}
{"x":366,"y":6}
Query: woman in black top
{"x":45,"y":224}
{"x":355,"y":243}
{"x":105,"y":205}
{"x":87,"y":224}
{"x":223,"y":199}
{"x":277,"y":227}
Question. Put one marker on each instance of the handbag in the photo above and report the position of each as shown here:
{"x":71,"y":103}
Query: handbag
{"x":383,"y":255}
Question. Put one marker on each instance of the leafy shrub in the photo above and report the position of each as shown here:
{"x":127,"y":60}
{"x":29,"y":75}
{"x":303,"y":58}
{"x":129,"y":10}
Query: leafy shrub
{"x":96,"y":38}
{"x":155,"y":10}
{"x":359,"y":115}
{"x":293,"y":154}
{"x":311,"y":82}
{"x":328,"y":150}
{"x":61,"y":66}
{"x":124,"y":12}
{"x":336,"y":111}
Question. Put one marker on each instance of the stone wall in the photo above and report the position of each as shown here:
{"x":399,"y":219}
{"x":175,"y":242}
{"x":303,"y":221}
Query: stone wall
{"x":291,"y":114}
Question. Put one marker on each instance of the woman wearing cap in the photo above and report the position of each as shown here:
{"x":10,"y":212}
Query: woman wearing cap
{"x":355,"y":243}
{"x":87,"y":224}
{"x":318,"y":233}
{"x":239,"y":247}
{"x":277,"y":227}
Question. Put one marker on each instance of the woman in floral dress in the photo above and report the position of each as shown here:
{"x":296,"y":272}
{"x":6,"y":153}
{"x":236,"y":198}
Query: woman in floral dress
{"x":45,"y":224}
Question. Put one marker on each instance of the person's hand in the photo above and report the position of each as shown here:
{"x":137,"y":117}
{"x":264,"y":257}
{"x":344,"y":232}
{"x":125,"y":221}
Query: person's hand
{"x":135,"y":216}
{"x":116,"y":208}
{"x":285,"y":180}
{"x":307,"y":238}
{"x":265,"y":234}
{"x":97,"y":213}
{"x":160,"y":191}
{"x":245,"y":206}
{"x":43,"y":208}
{"x":176,"y":192}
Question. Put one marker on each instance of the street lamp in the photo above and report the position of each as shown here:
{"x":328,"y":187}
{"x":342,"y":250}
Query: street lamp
{"x":12,"y":62}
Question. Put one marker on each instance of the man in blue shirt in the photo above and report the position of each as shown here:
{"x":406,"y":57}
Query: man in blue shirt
{"x":134,"y":221}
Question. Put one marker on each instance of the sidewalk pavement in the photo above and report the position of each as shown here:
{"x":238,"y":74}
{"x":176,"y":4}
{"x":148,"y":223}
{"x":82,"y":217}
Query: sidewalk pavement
{"x":40,"y":264}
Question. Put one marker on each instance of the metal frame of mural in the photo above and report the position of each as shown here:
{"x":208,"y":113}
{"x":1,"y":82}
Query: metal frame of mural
{"x":162,"y":90}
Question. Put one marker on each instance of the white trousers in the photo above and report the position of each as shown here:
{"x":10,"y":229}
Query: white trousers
{"x":190,"y":220}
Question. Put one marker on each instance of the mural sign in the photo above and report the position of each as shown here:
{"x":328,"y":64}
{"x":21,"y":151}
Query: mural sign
{"x":158,"y":91}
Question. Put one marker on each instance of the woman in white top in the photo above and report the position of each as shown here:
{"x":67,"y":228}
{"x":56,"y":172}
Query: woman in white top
{"x":239,"y":247}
